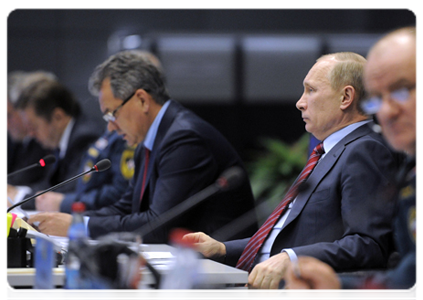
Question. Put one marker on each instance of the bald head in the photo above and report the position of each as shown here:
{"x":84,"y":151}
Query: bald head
{"x":391,"y":71}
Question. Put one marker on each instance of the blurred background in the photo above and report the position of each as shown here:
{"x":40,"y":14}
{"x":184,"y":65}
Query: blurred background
{"x":241,"y":70}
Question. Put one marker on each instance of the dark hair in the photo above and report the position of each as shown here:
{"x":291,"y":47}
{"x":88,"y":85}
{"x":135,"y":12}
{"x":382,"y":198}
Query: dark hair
{"x":46,"y":95}
{"x":129,"y":71}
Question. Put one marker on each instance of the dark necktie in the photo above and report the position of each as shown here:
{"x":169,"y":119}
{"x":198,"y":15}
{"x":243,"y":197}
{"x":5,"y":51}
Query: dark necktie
{"x":247,"y":258}
{"x":144,"y":176}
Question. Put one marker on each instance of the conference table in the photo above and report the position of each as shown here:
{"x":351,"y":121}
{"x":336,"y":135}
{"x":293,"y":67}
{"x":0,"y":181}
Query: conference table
{"x":214,"y":275}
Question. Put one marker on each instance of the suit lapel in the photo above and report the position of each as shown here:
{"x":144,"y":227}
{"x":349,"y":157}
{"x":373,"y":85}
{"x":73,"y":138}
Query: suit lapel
{"x":165,"y":123}
{"x":324,"y":166}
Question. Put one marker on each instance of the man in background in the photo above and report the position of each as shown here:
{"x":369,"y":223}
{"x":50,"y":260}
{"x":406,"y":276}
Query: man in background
{"x":55,"y":120}
{"x":22,"y":149}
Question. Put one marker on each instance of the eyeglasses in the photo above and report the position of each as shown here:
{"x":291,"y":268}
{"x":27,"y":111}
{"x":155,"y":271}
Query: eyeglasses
{"x":110,"y":116}
{"x":373,"y":104}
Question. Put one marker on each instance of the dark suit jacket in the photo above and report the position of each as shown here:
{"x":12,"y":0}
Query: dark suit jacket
{"x":188,"y":155}
{"x":341,"y":218}
{"x":24,"y":154}
{"x":97,"y":190}
{"x":403,"y":275}
{"x":83,"y":134}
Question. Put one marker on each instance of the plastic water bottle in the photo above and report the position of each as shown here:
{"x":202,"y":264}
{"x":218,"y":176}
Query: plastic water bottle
{"x":77,"y":242}
{"x":184,"y":271}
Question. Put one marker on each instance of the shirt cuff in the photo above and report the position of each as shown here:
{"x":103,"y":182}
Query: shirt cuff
{"x":22,"y":192}
{"x":291,"y":254}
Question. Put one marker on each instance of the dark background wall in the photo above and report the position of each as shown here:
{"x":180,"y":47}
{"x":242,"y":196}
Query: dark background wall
{"x":241,"y":70}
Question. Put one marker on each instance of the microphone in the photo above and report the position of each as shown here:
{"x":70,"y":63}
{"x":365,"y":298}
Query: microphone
{"x":46,"y":160}
{"x":226,"y":232}
{"x":101,"y":166}
{"x":229,"y":179}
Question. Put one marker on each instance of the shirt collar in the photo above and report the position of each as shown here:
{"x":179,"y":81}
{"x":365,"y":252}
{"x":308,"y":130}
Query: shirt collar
{"x":335,"y":137}
{"x":152,"y":131}
{"x":64,"y":140}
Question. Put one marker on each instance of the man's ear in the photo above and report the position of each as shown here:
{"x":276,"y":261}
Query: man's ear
{"x":347,"y":98}
{"x":58,"y":114}
{"x":144,"y":99}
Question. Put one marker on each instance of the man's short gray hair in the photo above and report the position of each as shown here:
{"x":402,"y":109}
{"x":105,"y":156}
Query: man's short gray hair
{"x":129,"y":71}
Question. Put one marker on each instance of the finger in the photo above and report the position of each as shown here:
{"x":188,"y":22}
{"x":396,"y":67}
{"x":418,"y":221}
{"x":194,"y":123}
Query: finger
{"x":273,"y":290}
{"x":43,"y":227}
{"x":269,"y":286}
{"x":36,"y":218}
{"x":254,"y":279}
{"x":190,"y":237}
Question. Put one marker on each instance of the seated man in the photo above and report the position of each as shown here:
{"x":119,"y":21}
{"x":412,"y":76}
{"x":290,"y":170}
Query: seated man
{"x":332,"y":211}
{"x":105,"y":188}
{"x":96,"y":190}
{"x":55,"y":119}
{"x":22,"y":149}
{"x":178,"y":155}
{"x":390,"y":79}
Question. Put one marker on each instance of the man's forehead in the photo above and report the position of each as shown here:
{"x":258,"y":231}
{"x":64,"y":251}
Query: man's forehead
{"x":388,"y":68}
{"x":319,"y":72}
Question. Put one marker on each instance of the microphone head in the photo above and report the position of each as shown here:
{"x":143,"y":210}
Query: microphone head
{"x":46,"y":160}
{"x":231,"y":178}
{"x":102,"y":165}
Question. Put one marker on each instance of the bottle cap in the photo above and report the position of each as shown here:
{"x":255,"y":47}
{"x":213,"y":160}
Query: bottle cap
{"x":78,"y":207}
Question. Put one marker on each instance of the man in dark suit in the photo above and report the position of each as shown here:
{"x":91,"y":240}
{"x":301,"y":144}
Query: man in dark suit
{"x":22,"y":149}
{"x":179,"y":154}
{"x":100,"y":189}
{"x":55,"y":119}
{"x":334,"y":216}
{"x":390,"y":79}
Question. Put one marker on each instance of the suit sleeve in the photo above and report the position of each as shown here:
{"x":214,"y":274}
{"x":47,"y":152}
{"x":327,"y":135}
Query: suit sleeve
{"x":184,"y":166}
{"x":365,"y":177}
{"x":109,"y":191}
{"x":234,"y":250}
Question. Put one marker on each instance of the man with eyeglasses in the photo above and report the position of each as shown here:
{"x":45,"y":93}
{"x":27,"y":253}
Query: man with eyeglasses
{"x":390,"y":80}
{"x":178,"y":155}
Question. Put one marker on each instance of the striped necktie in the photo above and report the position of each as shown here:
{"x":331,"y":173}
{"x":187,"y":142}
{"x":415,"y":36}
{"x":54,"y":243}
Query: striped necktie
{"x":254,"y":244}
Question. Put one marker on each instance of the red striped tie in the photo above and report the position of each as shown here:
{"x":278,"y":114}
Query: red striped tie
{"x":144,"y":177}
{"x":247,"y":258}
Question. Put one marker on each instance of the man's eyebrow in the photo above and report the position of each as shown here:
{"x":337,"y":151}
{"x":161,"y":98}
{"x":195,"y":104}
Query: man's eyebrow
{"x":400,"y":83}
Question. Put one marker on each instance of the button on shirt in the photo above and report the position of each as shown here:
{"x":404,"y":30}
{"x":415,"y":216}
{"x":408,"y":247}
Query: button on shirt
{"x":328,"y":144}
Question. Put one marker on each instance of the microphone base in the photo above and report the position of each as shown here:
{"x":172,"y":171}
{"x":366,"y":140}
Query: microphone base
{"x":17,"y":256}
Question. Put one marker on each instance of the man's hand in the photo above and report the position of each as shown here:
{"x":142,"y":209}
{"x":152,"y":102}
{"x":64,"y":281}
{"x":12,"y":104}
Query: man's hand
{"x":268,"y":274}
{"x":49,"y":201}
{"x":314,"y":274}
{"x":52,"y":223}
{"x":206,"y":245}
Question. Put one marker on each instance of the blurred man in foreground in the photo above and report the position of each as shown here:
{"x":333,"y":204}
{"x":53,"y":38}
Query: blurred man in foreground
{"x":390,"y":80}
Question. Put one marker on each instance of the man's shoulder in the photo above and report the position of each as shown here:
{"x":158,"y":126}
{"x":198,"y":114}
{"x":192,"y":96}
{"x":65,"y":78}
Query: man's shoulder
{"x":86,"y":127}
